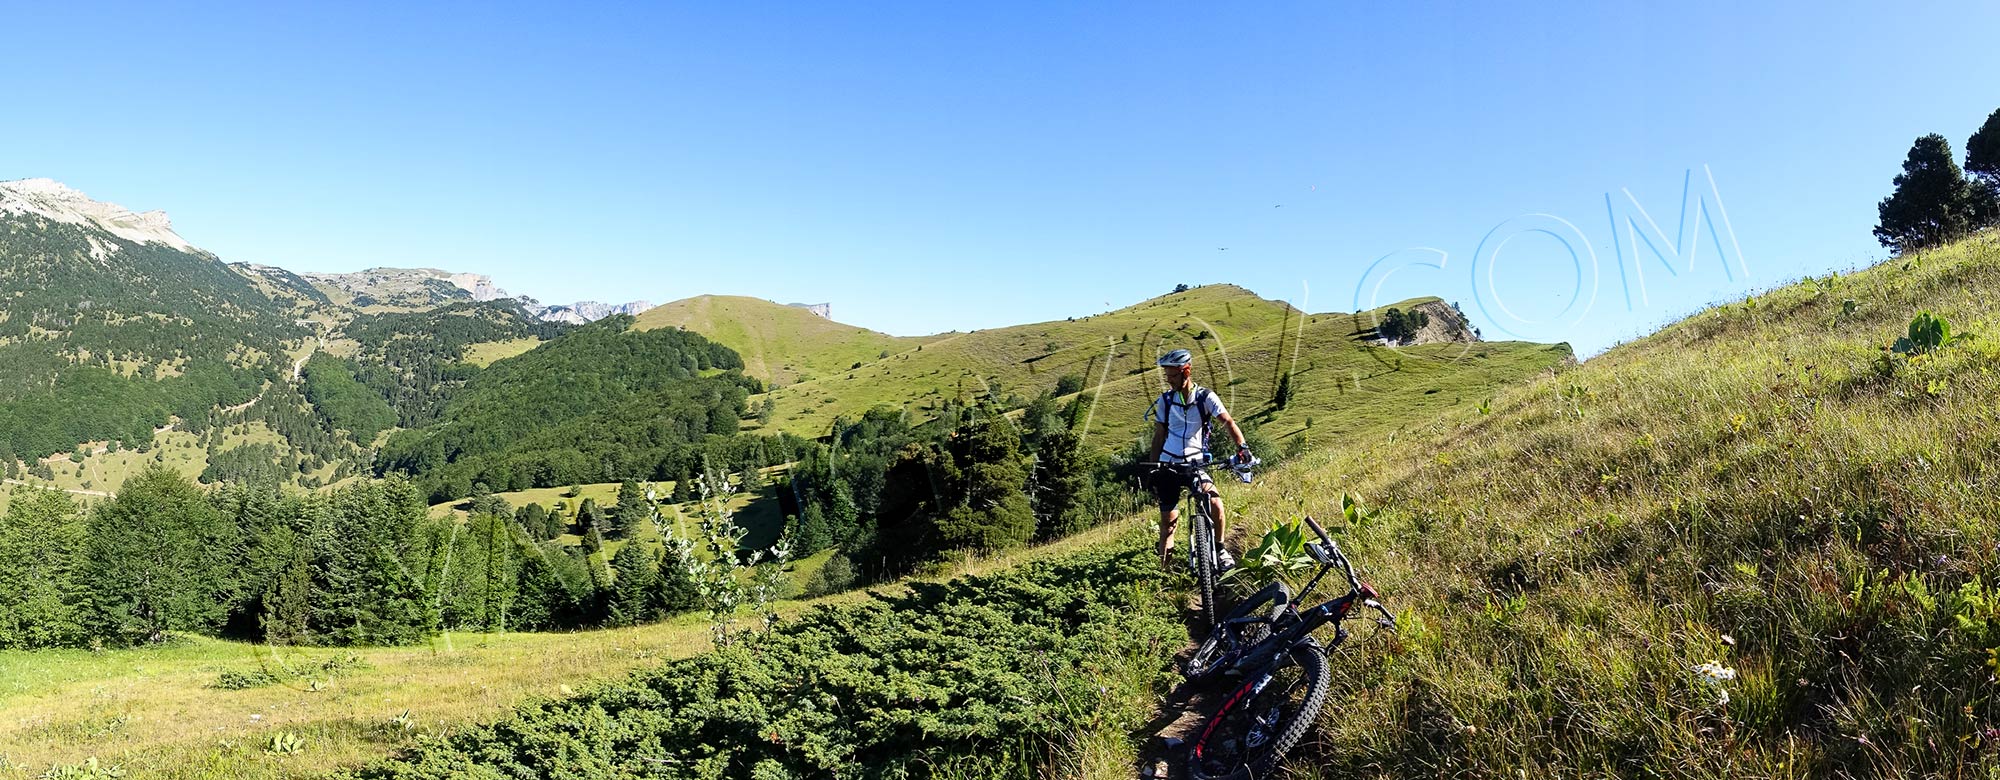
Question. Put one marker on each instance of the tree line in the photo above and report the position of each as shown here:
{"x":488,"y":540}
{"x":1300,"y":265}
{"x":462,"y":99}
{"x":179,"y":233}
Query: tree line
{"x":362,"y":564}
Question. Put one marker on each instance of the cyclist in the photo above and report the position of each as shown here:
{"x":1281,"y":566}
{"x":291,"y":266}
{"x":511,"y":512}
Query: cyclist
{"x":1180,"y":418}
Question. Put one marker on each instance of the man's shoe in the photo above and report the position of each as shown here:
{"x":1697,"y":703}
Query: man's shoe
{"x":1224,"y":561}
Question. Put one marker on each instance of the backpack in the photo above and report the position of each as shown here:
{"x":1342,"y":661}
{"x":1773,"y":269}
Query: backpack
{"x":1200,"y":401}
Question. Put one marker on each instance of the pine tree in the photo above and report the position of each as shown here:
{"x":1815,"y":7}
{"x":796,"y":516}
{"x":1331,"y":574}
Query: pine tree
{"x":161,"y":559}
{"x":1933,"y":203}
{"x":1062,"y":483}
{"x":43,"y":598}
{"x":633,"y":510}
{"x":1284,"y":395}
{"x":495,"y":562}
{"x":635,"y":586}
{"x":677,"y":590}
{"x":1982,"y":160}
{"x":533,"y":520}
{"x":365,"y":590}
{"x":541,"y":599}
{"x":992,"y":511}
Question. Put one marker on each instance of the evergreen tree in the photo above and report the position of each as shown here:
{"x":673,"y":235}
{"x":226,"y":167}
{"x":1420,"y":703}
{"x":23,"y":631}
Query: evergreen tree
{"x":635,"y":586}
{"x":161,"y":559}
{"x":809,"y":531}
{"x":592,"y":603}
{"x":286,"y":603}
{"x":678,"y":591}
{"x":590,"y":519}
{"x":43,"y":598}
{"x":683,"y":490}
{"x":493,"y":566}
{"x":1982,"y":160}
{"x":1933,"y":203}
{"x":533,"y":520}
{"x":993,"y":512}
{"x":365,"y":592}
{"x":542,"y":600}
{"x":633,"y":510}
{"x":1062,"y":484}
{"x":1284,"y":395}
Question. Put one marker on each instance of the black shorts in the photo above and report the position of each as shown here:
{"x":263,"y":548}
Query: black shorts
{"x":1168,"y":485}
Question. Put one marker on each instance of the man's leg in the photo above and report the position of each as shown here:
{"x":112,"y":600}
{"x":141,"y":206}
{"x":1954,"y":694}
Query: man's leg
{"x":1215,"y":511}
{"x":1169,"y":517}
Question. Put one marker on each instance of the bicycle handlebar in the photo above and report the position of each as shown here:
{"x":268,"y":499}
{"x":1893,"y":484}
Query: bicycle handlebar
{"x":1330,"y":553}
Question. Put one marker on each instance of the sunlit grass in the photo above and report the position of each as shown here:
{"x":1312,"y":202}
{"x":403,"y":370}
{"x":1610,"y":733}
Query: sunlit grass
{"x":1760,"y":485}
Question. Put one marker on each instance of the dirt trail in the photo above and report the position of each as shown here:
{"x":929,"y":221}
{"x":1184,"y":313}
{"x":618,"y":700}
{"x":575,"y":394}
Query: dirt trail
{"x":97,"y":493}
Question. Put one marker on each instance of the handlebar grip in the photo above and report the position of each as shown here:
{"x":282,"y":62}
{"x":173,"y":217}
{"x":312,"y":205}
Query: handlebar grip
{"x":1314,"y":524}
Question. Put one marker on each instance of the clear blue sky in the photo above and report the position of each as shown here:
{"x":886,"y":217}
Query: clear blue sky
{"x":932,"y":166}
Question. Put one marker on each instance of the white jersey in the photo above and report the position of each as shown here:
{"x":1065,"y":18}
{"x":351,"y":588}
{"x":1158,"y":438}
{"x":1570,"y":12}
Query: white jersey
{"x":1187,"y":439}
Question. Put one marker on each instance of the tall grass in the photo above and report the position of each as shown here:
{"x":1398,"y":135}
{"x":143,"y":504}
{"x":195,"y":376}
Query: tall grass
{"x":1762,"y":485}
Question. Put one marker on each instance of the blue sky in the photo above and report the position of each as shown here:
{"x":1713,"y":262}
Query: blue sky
{"x":929,"y":167}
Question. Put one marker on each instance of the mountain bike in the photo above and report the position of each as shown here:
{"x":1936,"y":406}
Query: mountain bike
{"x":1204,"y":549}
{"x":1268,"y":642}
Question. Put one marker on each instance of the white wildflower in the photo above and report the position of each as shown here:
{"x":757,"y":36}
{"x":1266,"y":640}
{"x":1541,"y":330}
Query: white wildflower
{"x":1715,"y":675}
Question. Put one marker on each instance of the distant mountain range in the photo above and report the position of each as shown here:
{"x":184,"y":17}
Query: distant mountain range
{"x":119,"y":339}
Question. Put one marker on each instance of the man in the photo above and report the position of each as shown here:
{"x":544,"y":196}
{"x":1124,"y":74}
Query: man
{"x":1181,"y":419}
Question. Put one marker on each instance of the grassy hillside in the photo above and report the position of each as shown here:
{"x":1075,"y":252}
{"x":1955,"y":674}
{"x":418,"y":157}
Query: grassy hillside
{"x":1762,"y":485}
{"x":1029,"y":359}
{"x":1341,"y":382}
{"x":780,"y":344}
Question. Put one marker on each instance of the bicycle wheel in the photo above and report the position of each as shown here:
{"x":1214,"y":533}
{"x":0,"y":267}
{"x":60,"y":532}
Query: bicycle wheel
{"x":1262,"y":719}
{"x":1202,"y":543}
{"x":1208,"y":657}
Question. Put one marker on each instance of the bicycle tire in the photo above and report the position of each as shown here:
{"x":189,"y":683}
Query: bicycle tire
{"x":1203,"y":541}
{"x":1262,"y":719}
{"x":1199,"y":665}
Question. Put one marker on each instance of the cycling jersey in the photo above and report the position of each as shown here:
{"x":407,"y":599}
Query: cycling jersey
{"x":1186,"y":417}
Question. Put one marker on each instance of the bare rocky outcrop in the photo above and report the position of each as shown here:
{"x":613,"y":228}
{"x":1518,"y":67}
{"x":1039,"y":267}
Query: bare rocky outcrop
{"x":1447,"y":325}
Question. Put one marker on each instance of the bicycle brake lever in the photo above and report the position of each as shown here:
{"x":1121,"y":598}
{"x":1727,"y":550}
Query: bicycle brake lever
{"x":1387,"y":620}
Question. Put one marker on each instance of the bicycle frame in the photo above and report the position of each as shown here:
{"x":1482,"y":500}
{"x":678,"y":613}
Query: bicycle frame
{"x":1292,"y":627}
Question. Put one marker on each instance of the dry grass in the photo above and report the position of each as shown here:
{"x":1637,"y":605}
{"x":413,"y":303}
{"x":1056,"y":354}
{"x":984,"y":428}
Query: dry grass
{"x":1761,"y":485}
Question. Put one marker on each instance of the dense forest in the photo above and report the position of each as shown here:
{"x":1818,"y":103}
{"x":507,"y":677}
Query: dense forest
{"x":415,"y":360}
{"x":599,"y":403}
{"x":106,"y":339}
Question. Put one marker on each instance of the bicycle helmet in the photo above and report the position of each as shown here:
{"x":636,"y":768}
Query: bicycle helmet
{"x":1179,"y":358}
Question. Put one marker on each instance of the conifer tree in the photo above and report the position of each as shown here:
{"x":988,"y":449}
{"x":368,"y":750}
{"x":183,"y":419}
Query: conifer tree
{"x":1062,"y":483}
{"x":533,"y":520}
{"x":1933,"y":203}
{"x":542,"y":601}
{"x":494,"y":564}
{"x":992,"y":511}
{"x":635,"y":586}
{"x":365,"y":590}
{"x":633,"y":510}
{"x":1982,"y":161}
{"x":678,"y":591}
